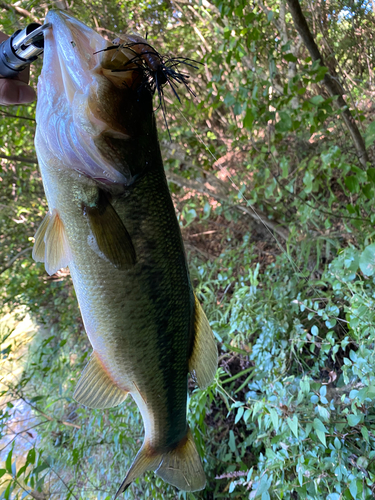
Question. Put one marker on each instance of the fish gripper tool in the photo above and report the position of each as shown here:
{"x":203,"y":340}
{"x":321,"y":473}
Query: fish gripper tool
{"x":21,"y":49}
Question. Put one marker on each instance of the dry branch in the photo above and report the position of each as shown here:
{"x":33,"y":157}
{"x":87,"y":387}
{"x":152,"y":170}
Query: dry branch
{"x":10,"y":115}
{"x":19,"y":158}
{"x":211,"y":186}
{"x":217,"y":189}
{"x":22,"y":12}
{"x":12,"y":261}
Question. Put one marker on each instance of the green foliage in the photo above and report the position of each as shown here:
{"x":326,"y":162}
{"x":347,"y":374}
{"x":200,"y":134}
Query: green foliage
{"x":312,"y":437}
{"x":291,"y":412}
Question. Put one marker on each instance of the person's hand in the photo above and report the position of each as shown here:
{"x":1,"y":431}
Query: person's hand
{"x":15,"y":90}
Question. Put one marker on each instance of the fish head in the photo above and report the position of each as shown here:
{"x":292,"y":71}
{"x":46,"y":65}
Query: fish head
{"x":94,"y":111}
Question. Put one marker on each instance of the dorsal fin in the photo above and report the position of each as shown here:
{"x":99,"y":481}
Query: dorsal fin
{"x":96,"y":389}
{"x":203,"y":359}
{"x":51,"y":245}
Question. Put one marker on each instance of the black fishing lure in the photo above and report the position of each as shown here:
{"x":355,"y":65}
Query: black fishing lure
{"x":157,"y":70}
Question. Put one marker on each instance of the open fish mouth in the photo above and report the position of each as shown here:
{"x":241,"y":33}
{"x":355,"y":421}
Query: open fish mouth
{"x":75,"y":53}
{"x":70,"y":55}
{"x":84,"y":104}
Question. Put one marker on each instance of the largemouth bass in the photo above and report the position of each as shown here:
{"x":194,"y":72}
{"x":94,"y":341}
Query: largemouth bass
{"x":112,"y":221}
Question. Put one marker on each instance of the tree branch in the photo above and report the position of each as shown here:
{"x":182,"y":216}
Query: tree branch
{"x":47,"y":417}
{"x":223,"y":195}
{"x":4,"y":113}
{"x":22,"y":12}
{"x":220,"y":191}
{"x":12,"y":261}
{"x":334,"y":89}
{"x":19,"y":158}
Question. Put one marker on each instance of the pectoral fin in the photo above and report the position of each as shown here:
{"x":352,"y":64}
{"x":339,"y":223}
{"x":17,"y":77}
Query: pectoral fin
{"x":111,"y":235}
{"x":96,"y":389}
{"x":39,"y":245}
{"x":51,"y":245}
{"x":203,"y":359}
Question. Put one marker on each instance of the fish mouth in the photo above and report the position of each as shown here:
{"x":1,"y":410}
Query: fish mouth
{"x":69,"y":55}
{"x":94,"y":114}
{"x":75,"y":54}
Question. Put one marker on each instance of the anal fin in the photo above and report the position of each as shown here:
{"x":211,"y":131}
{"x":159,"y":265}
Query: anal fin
{"x":111,"y":235}
{"x":51,"y":245}
{"x":96,"y":389}
{"x":203,"y":359}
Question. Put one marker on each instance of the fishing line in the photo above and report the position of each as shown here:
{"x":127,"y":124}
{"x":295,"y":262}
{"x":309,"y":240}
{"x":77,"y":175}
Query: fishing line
{"x":293,"y":264}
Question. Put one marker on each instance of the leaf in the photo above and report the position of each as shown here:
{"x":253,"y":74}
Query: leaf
{"x":44,"y":466}
{"x":8,"y":461}
{"x":371,"y":174}
{"x":290,"y":57}
{"x":270,"y":454}
{"x":305,"y":385}
{"x":314,"y":330}
{"x":232,"y":441}
{"x":249,"y":119}
{"x":21,"y":470}
{"x":36,"y":398}
{"x":316,"y":100}
{"x":190,"y":215}
{"x":323,"y":412}
{"x":206,"y":210}
{"x":263,"y":485}
{"x":370,"y":134}
{"x":274,"y":419}
{"x":351,"y":182}
{"x":285,"y":122}
{"x":239,"y":414}
{"x":293,"y":424}
{"x":31,"y":456}
{"x":308,"y":181}
{"x":7,"y":491}
{"x":368,"y":191}
{"x":353,"y":488}
{"x":321,"y":436}
{"x":229,"y":99}
{"x":353,"y":420}
{"x":320,"y":430}
{"x":330,"y":323}
{"x":367,"y":260}
{"x":247,"y":415}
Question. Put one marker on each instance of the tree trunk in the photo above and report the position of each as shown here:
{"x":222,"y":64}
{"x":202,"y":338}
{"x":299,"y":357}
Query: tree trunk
{"x":334,"y":89}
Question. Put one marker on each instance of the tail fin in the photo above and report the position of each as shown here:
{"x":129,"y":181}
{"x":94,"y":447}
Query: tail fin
{"x":180,"y":467}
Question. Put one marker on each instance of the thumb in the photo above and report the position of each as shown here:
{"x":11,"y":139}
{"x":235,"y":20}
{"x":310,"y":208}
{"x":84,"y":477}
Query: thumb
{"x":15,"y":92}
